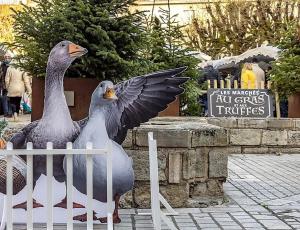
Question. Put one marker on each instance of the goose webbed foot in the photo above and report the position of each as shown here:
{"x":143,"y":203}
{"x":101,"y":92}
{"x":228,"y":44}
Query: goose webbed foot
{"x":63,"y":204}
{"x":116,"y":218}
{"x":24,"y":205}
{"x":83,"y":217}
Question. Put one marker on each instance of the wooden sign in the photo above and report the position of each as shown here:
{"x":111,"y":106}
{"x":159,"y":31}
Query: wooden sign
{"x":240,"y":103}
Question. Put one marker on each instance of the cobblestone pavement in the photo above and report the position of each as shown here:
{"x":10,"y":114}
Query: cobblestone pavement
{"x":264,"y":193}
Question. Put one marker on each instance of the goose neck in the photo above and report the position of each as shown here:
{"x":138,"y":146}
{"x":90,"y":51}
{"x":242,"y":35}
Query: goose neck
{"x":54,"y":93}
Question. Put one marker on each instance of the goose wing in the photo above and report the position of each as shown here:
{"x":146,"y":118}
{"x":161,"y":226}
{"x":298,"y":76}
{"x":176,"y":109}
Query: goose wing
{"x":140,"y":99}
{"x":19,"y":139}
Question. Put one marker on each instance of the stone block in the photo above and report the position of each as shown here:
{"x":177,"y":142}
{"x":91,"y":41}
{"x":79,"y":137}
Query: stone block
{"x":218,"y":161}
{"x":283,"y":123}
{"x":128,"y":142}
{"x":141,"y":164}
{"x":270,"y":137}
{"x":189,"y":165}
{"x":294,"y":138}
{"x":297,"y":124}
{"x":126,"y":201}
{"x":201,"y":167}
{"x":255,"y":150}
{"x":215,"y":187}
{"x":280,"y":150}
{"x":254,"y":123}
{"x":234,"y":150}
{"x":245,"y":137}
{"x":175,"y":168}
{"x":171,"y":138}
{"x":210,"y":136}
{"x":199,"y":189}
{"x":229,"y":122}
{"x":177,"y":195}
{"x":141,"y":195}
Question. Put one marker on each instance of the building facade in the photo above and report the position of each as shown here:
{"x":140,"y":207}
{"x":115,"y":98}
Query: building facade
{"x":184,"y":9}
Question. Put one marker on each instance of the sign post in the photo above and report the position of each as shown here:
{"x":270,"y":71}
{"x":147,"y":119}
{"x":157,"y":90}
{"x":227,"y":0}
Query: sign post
{"x":256,"y":103}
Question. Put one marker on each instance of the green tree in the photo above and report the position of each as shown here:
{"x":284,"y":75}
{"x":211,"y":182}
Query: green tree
{"x":106,"y":28}
{"x":285,"y":73}
{"x":233,"y":27}
{"x":166,"y":48}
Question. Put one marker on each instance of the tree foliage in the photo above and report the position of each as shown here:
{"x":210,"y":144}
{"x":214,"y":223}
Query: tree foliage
{"x":106,"y":28}
{"x":233,"y":27}
{"x":286,"y":70}
{"x":165,"y":48}
{"x":6,"y":25}
{"x":120,"y":44}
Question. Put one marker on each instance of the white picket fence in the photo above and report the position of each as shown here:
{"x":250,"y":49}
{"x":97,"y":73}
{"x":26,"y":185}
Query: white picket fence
{"x":156,"y":198}
{"x":7,"y":216}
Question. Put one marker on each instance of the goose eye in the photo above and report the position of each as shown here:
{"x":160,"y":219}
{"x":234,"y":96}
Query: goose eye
{"x":63,"y":45}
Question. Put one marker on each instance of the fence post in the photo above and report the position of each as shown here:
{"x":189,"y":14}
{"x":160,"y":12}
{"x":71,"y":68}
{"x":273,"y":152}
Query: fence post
{"x":69,"y":191}
{"x":29,"y":183}
{"x":228,"y":84}
{"x":154,"y":182}
{"x":109,"y":187}
{"x":208,"y":84}
{"x":3,"y":219}
{"x":222,"y":84}
{"x":49,"y":187}
{"x":215,"y":84}
{"x":9,"y":188}
{"x":89,"y":189}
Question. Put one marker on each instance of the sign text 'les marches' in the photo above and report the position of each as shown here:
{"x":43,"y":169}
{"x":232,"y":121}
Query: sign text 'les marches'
{"x":239,"y":103}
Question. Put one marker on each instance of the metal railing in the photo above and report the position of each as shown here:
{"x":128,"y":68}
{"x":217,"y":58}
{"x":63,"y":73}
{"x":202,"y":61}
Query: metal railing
{"x":7,"y":217}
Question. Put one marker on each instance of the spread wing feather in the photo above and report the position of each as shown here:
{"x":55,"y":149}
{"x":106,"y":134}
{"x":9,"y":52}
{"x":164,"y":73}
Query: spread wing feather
{"x":140,"y":99}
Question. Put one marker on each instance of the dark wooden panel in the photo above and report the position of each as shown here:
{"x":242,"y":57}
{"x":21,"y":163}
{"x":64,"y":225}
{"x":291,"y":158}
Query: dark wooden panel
{"x":294,"y":106}
{"x":83,"y":89}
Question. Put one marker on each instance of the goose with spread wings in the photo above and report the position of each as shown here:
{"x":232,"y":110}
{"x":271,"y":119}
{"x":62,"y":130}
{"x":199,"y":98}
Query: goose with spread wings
{"x":107,"y":108}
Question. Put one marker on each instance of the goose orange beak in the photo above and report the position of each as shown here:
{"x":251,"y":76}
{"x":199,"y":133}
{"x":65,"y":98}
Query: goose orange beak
{"x":76,"y":50}
{"x":110,"y":94}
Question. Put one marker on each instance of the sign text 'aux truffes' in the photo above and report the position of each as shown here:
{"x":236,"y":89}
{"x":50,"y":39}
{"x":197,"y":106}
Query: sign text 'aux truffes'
{"x":239,"y":103}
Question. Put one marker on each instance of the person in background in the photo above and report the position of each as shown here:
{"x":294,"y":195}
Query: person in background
{"x":212,"y":74}
{"x":236,"y":74}
{"x":259,"y":73}
{"x":17,"y":82}
{"x":248,"y":78}
{"x":3,"y":91}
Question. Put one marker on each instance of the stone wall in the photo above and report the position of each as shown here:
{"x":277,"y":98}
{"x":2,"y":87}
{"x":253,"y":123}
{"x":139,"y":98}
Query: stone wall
{"x":260,"y":136}
{"x":192,"y":161}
